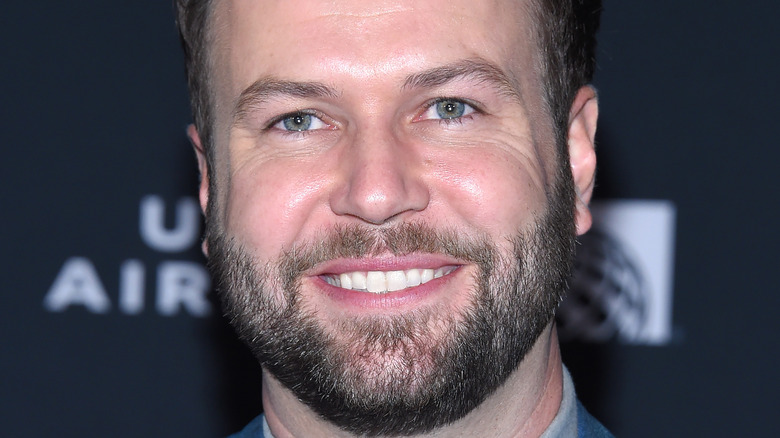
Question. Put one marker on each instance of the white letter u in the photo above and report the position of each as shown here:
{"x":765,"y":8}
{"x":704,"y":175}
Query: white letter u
{"x":179,"y":238}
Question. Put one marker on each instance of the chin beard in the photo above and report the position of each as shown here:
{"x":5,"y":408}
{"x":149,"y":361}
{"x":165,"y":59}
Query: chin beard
{"x":390,"y":375}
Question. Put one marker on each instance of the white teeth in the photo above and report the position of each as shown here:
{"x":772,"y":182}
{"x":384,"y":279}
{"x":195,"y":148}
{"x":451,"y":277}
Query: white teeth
{"x":426,"y":276}
{"x":376,"y":281}
{"x":346,"y":281}
{"x":396,"y":280}
{"x":386,"y":281}
{"x":413,"y":278}
{"x":358,"y":280}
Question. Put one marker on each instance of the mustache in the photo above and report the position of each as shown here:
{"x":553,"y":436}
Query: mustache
{"x":355,"y":241}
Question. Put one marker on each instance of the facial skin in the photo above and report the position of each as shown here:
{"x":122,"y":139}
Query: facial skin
{"x":420,"y":119}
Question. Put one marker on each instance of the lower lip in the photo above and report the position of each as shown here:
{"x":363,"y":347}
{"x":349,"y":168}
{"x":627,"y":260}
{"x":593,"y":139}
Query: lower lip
{"x":409,"y":297}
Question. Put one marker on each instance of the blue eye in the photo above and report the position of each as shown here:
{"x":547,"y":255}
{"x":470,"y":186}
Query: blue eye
{"x":447,"y":109}
{"x":299,"y":122}
{"x":450,"y":109}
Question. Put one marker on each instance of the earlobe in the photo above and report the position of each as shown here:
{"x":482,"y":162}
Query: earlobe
{"x":583,"y":118}
{"x":203,"y":190}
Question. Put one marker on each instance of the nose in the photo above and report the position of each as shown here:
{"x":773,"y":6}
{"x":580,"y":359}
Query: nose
{"x":381,"y":179}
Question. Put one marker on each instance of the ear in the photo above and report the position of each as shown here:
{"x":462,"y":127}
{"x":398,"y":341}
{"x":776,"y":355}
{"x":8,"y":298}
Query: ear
{"x":583,"y":116}
{"x":203,"y":190}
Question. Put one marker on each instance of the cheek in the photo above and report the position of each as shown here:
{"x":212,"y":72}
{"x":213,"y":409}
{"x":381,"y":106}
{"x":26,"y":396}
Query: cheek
{"x":494,"y":191}
{"x":268,"y":206}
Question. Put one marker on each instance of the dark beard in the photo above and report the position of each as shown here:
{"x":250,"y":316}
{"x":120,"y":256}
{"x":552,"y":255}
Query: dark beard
{"x":387,"y":376}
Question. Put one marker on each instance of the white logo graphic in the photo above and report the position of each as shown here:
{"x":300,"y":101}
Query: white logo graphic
{"x":622,"y":283}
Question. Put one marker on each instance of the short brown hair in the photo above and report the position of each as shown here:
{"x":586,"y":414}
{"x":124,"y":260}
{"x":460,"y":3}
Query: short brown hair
{"x":192,"y":19}
{"x":566,"y":32}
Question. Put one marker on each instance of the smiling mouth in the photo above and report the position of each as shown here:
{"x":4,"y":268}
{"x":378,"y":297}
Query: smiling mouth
{"x":380,"y":282}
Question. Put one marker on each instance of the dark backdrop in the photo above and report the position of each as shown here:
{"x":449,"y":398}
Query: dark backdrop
{"x":106,"y":326}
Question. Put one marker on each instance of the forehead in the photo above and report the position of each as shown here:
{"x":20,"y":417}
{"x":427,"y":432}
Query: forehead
{"x":365,"y":39}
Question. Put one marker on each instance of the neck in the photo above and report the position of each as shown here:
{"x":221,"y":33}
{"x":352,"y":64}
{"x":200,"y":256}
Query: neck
{"x":522,"y":407}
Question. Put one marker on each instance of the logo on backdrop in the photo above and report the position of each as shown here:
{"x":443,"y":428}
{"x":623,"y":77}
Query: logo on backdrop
{"x":181,"y":286}
{"x":622,"y":283}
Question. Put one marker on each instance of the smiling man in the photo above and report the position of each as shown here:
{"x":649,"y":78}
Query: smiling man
{"x":392,"y":192}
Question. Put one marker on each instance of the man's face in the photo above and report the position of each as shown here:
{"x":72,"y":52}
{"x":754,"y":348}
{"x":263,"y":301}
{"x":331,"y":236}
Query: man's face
{"x":382,"y":218}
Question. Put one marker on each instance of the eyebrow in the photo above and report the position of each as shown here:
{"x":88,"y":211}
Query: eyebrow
{"x":475,"y":68}
{"x":267,"y":88}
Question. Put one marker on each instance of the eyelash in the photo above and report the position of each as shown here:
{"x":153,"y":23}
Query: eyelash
{"x":428,"y":106}
{"x":306,"y":112}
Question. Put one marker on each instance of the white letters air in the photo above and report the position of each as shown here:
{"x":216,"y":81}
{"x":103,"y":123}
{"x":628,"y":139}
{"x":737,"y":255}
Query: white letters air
{"x":77,"y":284}
{"x":176,"y":286}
